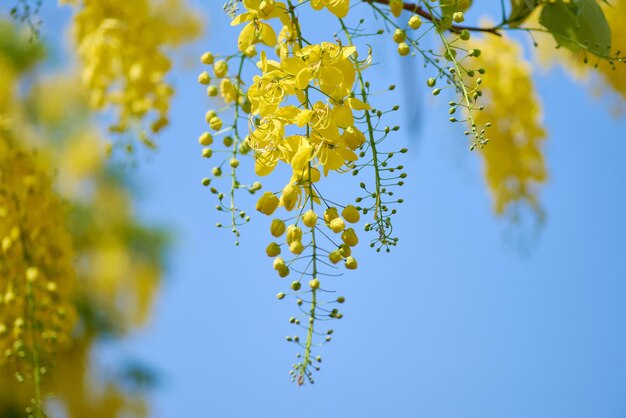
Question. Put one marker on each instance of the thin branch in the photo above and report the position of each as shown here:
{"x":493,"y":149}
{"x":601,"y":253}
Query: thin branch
{"x":413,"y":7}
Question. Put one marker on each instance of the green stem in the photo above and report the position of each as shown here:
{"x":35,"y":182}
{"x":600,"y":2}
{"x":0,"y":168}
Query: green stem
{"x":372,"y":143}
{"x":233,"y":185}
{"x":30,"y":295}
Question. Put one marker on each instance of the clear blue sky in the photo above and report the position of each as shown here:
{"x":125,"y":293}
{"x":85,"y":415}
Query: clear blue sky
{"x":457,"y":322}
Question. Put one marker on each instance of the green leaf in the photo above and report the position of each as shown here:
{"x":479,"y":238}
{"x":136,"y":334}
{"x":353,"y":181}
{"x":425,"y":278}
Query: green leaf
{"x":520,"y":10}
{"x":578,"y":25}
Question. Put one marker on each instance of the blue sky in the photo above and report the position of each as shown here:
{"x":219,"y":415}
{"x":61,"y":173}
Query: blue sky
{"x":468,"y":317}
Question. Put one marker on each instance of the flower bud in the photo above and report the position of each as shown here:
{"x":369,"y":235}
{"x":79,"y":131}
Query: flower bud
{"x":204,"y":78}
{"x":309,"y":218}
{"x":351,"y":263}
{"x":234,"y":163}
{"x":330,"y":214}
{"x":296,"y":247}
{"x":207,"y":152}
{"x":314,"y":284}
{"x":272,"y":250}
{"x":345,"y":250}
{"x":205,"y":139}
{"x":277,"y":228}
{"x":280,"y":296}
{"x":349,"y":237}
{"x":279,"y":263}
{"x":295,"y":286}
{"x":335,"y":257}
{"x":415,"y":22}
{"x":207,"y":58}
{"x":403,"y":49}
{"x":337,"y":225}
{"x":220,"y":68}
{"x":351,"y":214}
{"x":267,"y":204}
{"x":290,"y":196}
{"x":294,"y":233}
{"x":210,"y":114}
{"x":284,"y":272}
{"x":215,"y":123}
{"x":399,"y":36}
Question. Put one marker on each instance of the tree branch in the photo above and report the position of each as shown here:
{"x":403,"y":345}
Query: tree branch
{"x":413,"y":7}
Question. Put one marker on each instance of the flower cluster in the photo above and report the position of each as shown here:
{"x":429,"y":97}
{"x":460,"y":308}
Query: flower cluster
{"x":123,"y":46}
{"x":37,"y":277}
{"x":514,"y":163}
{"x":307,"y":109}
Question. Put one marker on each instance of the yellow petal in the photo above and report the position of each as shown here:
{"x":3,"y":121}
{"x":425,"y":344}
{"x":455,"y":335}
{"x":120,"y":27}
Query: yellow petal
{"x":267,"y":34}
{"x":356,"y":104}
{"x":342,"y":116}
{"x":246,"y":36}
{"x":301,"y":158}
{"x":303,"y":78}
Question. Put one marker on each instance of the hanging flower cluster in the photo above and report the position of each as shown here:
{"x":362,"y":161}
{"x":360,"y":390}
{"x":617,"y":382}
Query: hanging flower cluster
{"x":308,"y":110}
{"x":123,"y":46}
{"x":513,"y":160}
{"x":307,"y":107}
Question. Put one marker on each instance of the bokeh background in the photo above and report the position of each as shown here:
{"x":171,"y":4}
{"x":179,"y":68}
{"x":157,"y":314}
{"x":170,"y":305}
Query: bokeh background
{"x":472,"y":315}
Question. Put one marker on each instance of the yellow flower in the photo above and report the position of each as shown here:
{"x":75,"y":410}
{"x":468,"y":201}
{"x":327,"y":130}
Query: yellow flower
{"x":256,"y":32}
{"x":124,"y":65}
{"x":267,"y":92}
{"x":337,"y":7}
